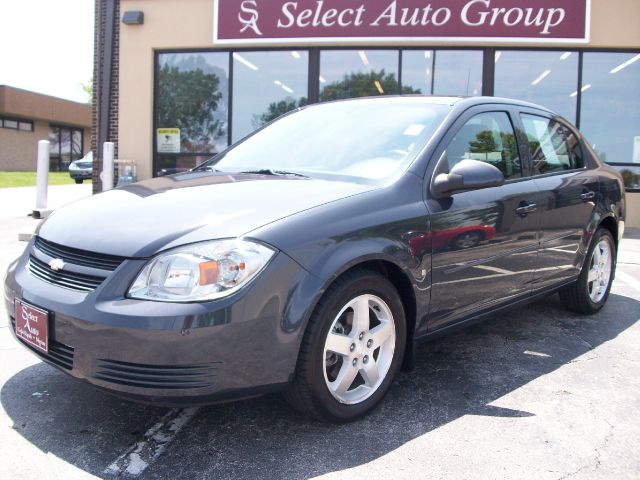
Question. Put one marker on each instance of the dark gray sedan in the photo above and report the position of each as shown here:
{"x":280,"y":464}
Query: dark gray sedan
{"x":312,"y":256}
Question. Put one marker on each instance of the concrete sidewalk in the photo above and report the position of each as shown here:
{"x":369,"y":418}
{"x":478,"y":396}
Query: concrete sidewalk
{"x":15,"y":206}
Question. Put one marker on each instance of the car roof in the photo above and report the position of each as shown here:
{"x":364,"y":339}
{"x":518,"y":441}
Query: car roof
{"x":459,"y":102}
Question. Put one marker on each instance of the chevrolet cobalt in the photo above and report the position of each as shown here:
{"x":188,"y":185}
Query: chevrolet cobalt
{"x":311,"y":257}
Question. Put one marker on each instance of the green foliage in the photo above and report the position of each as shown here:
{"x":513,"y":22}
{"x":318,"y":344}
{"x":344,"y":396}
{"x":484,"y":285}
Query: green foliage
{"x":187,"y":100}
{"x":484,"y":143}
{"x":276,"y":109}
{"x":631,"y":179}
{"x":363,"y":85}
{"x":88,"y":89}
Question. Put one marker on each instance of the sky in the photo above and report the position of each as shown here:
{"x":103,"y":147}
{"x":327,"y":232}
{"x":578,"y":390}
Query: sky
{"x":46,"y":46}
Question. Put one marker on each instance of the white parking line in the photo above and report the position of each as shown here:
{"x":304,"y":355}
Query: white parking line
{"x":494,"y":269}
{"x":628,"y":279}
{"x":154,"y":442}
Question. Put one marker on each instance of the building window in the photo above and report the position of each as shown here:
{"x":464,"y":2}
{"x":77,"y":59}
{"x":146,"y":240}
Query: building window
{"x":191,"y":100}
{"x":546,"y":78}
{"x":610,"y":110}
{"x":66,"y":144}
{"x":10,"y":123}
{"x":16,"y":124}
{"x":442,"y":72}
{"x":25,"y":126}
{"x":265,"y":86}
{"x":358,"y":73}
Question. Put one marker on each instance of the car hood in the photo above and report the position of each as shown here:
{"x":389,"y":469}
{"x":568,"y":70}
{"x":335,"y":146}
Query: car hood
{"x":146,"y":217}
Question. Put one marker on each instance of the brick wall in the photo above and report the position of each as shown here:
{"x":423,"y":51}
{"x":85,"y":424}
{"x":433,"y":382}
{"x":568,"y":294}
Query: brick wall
{"x":98,"y":66}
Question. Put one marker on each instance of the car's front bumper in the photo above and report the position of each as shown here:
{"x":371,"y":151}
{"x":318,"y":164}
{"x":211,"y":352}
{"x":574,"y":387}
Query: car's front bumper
{"x":81,"y":174}
{"x":170,"y":353}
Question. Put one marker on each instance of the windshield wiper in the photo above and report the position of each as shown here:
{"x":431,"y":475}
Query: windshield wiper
{"x":268,"y":171}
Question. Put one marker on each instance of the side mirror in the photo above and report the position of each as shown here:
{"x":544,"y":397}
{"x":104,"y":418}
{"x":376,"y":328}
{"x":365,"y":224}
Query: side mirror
{"x":465,"y":175}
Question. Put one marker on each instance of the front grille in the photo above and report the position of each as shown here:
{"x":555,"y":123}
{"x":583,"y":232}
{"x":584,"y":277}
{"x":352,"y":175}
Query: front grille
{"x":76,"y":256}
{"x":59,"y":354}
{"x":181,"y":377}
{"x":62,"y":278}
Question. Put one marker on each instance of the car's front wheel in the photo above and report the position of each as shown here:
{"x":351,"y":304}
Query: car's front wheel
{"x":78,"y":180}
{"x":590,"y":292}
{"x":352,"y":349}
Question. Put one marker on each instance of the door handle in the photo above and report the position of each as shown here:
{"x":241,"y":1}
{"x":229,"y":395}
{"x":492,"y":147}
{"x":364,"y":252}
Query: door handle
{"x":588,"y":196}
{"x":524,"y":210}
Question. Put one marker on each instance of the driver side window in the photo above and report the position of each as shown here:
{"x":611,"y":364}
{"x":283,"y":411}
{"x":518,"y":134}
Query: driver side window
{"x":487,"y":137}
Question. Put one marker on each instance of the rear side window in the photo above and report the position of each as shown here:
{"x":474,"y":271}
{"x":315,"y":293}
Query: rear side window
{"x":487,"y":137}
{"x":553,"y":146}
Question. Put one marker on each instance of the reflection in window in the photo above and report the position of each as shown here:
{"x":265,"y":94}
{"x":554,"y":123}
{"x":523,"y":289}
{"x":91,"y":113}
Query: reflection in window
{"x":553,"y":147}
{"x":546,"y":78}
{"x":350,"y":141}
{"x":417,"y":70}
{"x":65,"y":146}
{"x":487,"y":137}
{"x":192,"y":96}
{"x":610,"y":113}
{"x":458,"y":72}
{"x":358,"y":73}
{"x":631,"y":177}
{"x":265,"y":86}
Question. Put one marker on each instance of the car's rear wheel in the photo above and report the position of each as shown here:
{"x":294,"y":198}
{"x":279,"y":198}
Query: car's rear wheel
{"x":352,"y":349}
{"x":78,"y":180}
{"x":590,"y":292}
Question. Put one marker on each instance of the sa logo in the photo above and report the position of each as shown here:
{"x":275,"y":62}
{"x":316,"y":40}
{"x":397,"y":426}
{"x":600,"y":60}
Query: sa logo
{"x":248,"y":16}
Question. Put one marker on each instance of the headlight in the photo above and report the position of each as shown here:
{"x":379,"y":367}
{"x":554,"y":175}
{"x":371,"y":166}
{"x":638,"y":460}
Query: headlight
{"x":201,"y":271}
{"x":73,"y":166}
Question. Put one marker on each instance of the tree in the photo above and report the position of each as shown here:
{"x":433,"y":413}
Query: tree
{"x":363,"y":85}
{"x":188,"y":100}
{"x":88,"y":89}
{"x":276,"y":109}
{"x":484,"y":143}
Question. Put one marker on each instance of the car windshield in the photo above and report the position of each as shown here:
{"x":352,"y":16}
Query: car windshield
{"x":364,"y":140}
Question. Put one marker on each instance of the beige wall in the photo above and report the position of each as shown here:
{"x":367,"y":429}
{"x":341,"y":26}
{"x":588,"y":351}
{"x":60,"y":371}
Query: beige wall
{"x":18,"y":150}
{"x":633,"y":210}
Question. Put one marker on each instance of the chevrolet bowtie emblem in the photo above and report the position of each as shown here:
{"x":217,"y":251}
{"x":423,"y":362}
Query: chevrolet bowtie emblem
{"x":56,"y":264}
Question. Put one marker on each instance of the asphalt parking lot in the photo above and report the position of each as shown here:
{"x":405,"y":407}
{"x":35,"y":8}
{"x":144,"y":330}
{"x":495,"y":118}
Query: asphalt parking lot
{"x":537,"y":393}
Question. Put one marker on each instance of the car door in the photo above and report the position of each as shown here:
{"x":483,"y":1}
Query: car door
{"x":484,"y":242}
{"x":568,"y":191}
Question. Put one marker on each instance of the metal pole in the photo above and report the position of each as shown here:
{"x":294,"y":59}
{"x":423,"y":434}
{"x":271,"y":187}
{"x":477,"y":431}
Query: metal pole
{"x":107,"y":166}
{"x":42,"y":175}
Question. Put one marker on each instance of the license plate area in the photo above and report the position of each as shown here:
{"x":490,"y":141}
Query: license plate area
{"x":32,"y":325}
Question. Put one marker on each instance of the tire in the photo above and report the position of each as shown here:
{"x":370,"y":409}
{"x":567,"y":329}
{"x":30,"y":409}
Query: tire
{"x":467,"y":240}
{"x":78,"y":181}
{"x":343,"y":372}
{"x":590,"y":292}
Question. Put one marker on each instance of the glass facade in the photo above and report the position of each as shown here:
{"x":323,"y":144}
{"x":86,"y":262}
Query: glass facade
{"x":358,"y":73}
{"x":192,"y":99}
{"x":610,"y":114}
{"x":545,"y":78}
{"x":265,"y":86}
{"x":442,"y":72}
{"x":209,"y":99}
{"x":65,"y":146}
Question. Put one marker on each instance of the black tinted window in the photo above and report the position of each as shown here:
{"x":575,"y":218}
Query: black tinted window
{"x":487,"y":137}
{"x":553,"y":147}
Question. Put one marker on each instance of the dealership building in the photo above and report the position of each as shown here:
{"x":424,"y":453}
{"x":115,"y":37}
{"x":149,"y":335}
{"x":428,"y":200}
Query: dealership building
{"x":179,"y":80}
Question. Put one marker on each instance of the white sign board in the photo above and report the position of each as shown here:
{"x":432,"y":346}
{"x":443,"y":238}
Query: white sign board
{"x":168,"y":140}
